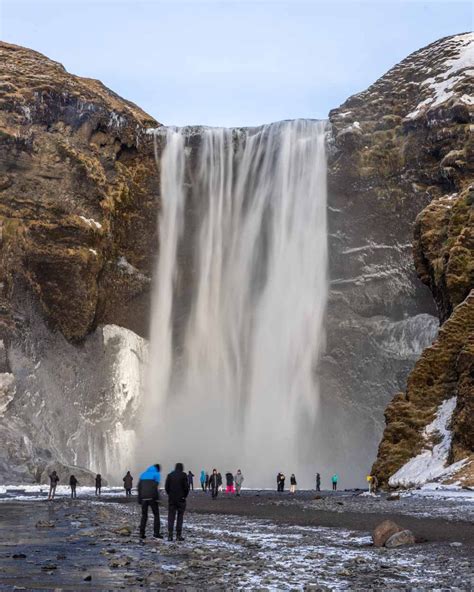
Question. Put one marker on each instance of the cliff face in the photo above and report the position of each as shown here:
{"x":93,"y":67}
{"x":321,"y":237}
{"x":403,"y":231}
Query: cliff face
{"x":444,"y":260}
{"x":79,"y":195}
{"x":397,"y":147}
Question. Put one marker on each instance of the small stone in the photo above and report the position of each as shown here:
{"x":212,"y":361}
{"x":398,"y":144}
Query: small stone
{"x":45,"y":524}
{"x":19,"y":556}
{"x":405,"y":537}
{"x":124,"y":531}
{"x":455,"y":544}
{"x":60,"y":556}
{"x":393,"y":497}
{"x":49,"y":567}
{"x":88,"y":578}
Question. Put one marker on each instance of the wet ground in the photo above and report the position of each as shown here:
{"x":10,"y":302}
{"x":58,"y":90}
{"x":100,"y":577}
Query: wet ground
{"x":262,"y":541}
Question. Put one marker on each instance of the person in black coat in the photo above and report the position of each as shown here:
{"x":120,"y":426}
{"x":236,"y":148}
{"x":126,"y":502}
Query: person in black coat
{"x":318,"y":482}
{"x":177,"y":488}
{"x":73,"y":484}
{"x":98,"y":483}
{"x":191,"y":480}
{"x":214,"y":483}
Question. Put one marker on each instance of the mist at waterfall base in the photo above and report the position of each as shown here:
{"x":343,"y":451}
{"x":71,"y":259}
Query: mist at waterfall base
{"x":239,"y":302}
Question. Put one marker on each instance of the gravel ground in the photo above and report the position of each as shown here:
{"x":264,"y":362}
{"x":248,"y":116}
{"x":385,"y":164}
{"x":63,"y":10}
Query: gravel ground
{"x":60,"y":544}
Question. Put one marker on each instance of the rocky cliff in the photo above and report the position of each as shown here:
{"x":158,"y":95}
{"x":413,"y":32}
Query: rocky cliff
{"x":397,"y":147}
{"x":79,"y":196}
{"x":418,"y":444}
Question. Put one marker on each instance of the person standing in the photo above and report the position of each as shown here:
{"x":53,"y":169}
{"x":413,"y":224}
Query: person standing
{"x":374,"y":483}
{"x":191,"y":480}
{"x":229,"y":480}
{"x":214,"y":483}
{"x":279,"y":482}
{"x":73,"y":484}
{"x":177,"y":488}
{"x":219,"y":479}
{"x":238,"y":479}
{"x":128,"y":484}
{"x":98,"y":483}
{"x":318,"y":482}
{"x":292,"y":483}
{"x":148,"y":496}
{"x":207,"y":481}
{"x":202,"y":479}
{"x":53,"y":481}
{"x":282,"y":482}
{"x":334,"y":479}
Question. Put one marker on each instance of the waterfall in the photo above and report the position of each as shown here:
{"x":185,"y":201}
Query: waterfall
{"x":239,"y":300}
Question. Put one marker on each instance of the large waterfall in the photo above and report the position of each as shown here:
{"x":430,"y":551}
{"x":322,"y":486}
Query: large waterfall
{"x":239,"y":301}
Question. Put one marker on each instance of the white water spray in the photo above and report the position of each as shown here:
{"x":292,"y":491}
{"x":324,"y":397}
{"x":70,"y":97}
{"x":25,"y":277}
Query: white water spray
{"x":239,"y":300}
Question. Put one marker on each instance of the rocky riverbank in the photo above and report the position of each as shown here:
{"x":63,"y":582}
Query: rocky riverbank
{"x":260,"y":541}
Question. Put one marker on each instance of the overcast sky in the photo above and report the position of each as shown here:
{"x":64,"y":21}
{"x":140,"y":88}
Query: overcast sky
{"x":223,"y":62}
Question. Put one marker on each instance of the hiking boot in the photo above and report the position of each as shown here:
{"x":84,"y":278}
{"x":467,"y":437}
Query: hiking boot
{"x":170,"y":537}
{"x":179,"y":538}
{"x":158,"y":536}
{"x":142,"y":535}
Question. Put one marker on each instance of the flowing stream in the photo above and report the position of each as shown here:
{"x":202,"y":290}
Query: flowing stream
{"x":239,"y":300}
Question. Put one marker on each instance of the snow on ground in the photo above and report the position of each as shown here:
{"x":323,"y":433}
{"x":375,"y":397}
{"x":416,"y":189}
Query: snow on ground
{"x":430,"y":464}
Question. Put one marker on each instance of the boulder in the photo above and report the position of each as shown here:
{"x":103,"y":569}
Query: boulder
{"x":384,"y":531}
{"x":404,"y":537}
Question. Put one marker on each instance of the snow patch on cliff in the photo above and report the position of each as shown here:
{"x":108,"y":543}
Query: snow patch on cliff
{"x":430,"y":465}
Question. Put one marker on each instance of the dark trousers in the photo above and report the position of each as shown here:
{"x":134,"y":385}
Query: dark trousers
{"x":318,"y":487}
{"x":215,"y":491}
{"x":153,"y":504}
{"x":334,"y":486}
{"x":128,"y":492}
{"x":173,"y":509}
{"x":203,"y":485}
{"x":73,"y":491}
{"x":97,"y":489}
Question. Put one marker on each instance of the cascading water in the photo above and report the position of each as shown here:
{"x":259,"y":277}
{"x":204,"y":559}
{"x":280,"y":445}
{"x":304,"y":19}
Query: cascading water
{"x":239,"y":300}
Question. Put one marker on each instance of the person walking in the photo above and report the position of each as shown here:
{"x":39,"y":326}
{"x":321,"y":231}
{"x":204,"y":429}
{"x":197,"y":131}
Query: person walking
{"x":207,"y":481}
{"x":318,"y":482}
{"x":53,"y":482}
{"x":292,"y":483}
{"x":373,"y":484}
{"x":238,"y":479}
{"x":219,"y":479}
{"x":191,"y":480}
{"x":73,"y":484}
{"x":279,"y":482}
{"x":148,"y":496}
{"x":177,"y":488}
{"x":98,"y":483}
{"x":214,"y":483}
{"x":282,"y":482}
{"x":128,"y":484}
{"x":202,"y":479}
{"x":334,"y":479}
{"x":229,"y":480}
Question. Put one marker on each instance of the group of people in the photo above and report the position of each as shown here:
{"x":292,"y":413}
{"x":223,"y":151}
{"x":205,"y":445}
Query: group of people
{"x":209,"y":483}
{"x":213,"y":482}
{"x":281,"y":482}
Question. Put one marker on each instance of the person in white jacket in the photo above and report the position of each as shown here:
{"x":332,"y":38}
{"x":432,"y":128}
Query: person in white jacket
{"x":238,"y":479}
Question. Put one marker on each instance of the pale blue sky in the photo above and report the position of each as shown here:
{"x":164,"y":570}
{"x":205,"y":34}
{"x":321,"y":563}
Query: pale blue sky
{"x":224,"y":62}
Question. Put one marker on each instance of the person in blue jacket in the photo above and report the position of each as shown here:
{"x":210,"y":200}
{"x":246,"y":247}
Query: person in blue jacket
{"x":203,"y":480}
{"x":148,"y":496}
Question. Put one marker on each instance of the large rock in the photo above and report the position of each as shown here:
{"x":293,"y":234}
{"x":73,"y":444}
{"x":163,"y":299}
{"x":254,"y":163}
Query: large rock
{"x":384,"y":531}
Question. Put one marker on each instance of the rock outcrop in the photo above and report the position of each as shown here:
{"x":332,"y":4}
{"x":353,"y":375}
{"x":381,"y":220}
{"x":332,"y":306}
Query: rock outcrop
{"x":79,"y":196}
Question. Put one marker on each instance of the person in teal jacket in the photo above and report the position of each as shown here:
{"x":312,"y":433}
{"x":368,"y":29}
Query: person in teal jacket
{"x":203,"y":479}
{"x":334,"y":480}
